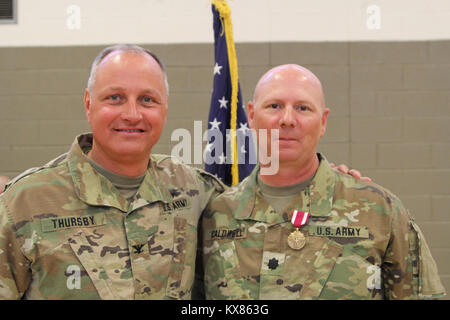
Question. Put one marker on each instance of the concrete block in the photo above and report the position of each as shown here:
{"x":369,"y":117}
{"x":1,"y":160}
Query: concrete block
{"x":440,"y":154}
{"x":328,"y":53}
{"x":19,"y":133}
{"x":439,"y":52}
{"x":338,"y":153}
{"x":61,"y":132}
{"x":193,"y":105}
{"x":367,"y":129}
{"x":436,"y":234}
{"x":388,"y":52}
{"x":419,"y":207}
{"x":189,"y":55}
{"x":35,"y":107}
{"x":63,"y":81}
{"x":440,"y":207}
{"x":21,"y":158}
{"x":372,"y":78}
{"x":392,"y":180}
{"x":363,"y":155}
{"x":332,"y":77}
{"x":362,"y":104}
{"x":431,"y":129}
{"x":338,"y":102}
{"x":337,"y":130}
{"x":412,"y":103}
{"x":426,"y":181}
{"x":248,"y":77}
{"x":190,"y":79}
{"x":404,"y":155}
{"x":427,"y":77}
{"x":253,"y":54}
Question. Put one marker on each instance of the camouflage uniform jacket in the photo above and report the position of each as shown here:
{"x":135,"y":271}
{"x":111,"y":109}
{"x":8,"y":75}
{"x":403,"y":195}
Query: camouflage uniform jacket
{"x":361,"y":243}
{"x":67,"y":233}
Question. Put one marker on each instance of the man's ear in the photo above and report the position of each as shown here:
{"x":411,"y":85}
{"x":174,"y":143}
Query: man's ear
{"x":324,"y":120}
{"x":251,"y":113}
{"x":87,"y":103}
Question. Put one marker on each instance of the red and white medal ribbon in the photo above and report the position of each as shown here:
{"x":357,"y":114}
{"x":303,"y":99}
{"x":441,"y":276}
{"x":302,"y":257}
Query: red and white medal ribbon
{"x":299,"y":218}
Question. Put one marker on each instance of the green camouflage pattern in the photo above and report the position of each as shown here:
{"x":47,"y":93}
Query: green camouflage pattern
{"x":67,"y":233}
{"x":361,"y":243}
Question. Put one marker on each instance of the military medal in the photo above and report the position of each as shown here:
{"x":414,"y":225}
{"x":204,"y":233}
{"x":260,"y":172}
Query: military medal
{"x":296,"y":239}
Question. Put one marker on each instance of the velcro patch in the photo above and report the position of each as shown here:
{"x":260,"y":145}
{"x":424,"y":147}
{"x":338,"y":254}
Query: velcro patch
{"x":176,"y":205}
{"x":341,"y":232}
{"x":223,"y":233}
{"x":57,"y":223}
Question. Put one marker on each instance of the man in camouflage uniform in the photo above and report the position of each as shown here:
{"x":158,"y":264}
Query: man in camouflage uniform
{"x":107,"y":220}
{"x":360,"y":241}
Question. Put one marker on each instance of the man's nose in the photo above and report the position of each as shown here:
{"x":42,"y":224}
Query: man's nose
{"x":131,"y":112}
{"x":288,"y":117}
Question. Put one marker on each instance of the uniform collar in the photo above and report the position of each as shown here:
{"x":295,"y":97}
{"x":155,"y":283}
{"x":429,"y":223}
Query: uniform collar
{"x":94,"y":189}
{"x":321,"y":190}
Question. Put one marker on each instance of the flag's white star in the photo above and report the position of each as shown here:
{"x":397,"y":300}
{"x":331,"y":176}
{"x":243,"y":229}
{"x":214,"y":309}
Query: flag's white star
{"x":208,"y":147}
{"x":215,"y":124}
{"x":223,"y":102}
{"x":243,"y":127}
{"x":222,"y":159}
{"x":217,"y":68}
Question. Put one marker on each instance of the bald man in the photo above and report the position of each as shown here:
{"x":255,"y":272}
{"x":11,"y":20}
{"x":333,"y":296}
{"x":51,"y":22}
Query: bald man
{"x":307,"y":231}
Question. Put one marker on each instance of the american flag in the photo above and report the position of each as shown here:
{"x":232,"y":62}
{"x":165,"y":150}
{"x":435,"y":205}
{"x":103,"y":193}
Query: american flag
{"x":218,"y":152}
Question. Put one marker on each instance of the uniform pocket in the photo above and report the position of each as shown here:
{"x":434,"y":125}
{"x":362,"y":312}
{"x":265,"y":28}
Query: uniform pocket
{"x":299,"y":274}
{"x":182,"y":266}
{"x":84,"y":252}
{"x":356,"y":275}
{"x":59,"y":273}
{"x":223,"y":279}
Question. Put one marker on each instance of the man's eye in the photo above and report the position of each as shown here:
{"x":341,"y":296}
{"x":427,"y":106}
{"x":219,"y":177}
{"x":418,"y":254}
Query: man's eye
{"x":114,"y":97}
{"x":147,"y":99}
{"x":274,"y":106}
{"x":303,"y":108}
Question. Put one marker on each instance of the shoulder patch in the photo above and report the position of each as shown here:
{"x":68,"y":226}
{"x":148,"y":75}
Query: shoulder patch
{"x":160,"y":158}
{"x":51,"y":164}
{"x":218,"y":184}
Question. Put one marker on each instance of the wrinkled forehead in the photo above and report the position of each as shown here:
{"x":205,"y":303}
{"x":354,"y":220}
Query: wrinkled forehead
{"x":293,"y":76}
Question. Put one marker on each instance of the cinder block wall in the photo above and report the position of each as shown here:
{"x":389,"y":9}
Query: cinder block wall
{"x":390,"y":110}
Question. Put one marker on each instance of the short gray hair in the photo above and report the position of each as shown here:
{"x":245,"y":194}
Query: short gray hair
{"x":123,"y":48}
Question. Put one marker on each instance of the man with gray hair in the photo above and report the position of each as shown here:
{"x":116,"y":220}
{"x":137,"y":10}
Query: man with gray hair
{"x":108,"y":219}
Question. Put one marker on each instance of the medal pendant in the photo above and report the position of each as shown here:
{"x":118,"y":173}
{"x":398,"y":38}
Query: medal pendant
{"x":296,"y":240}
